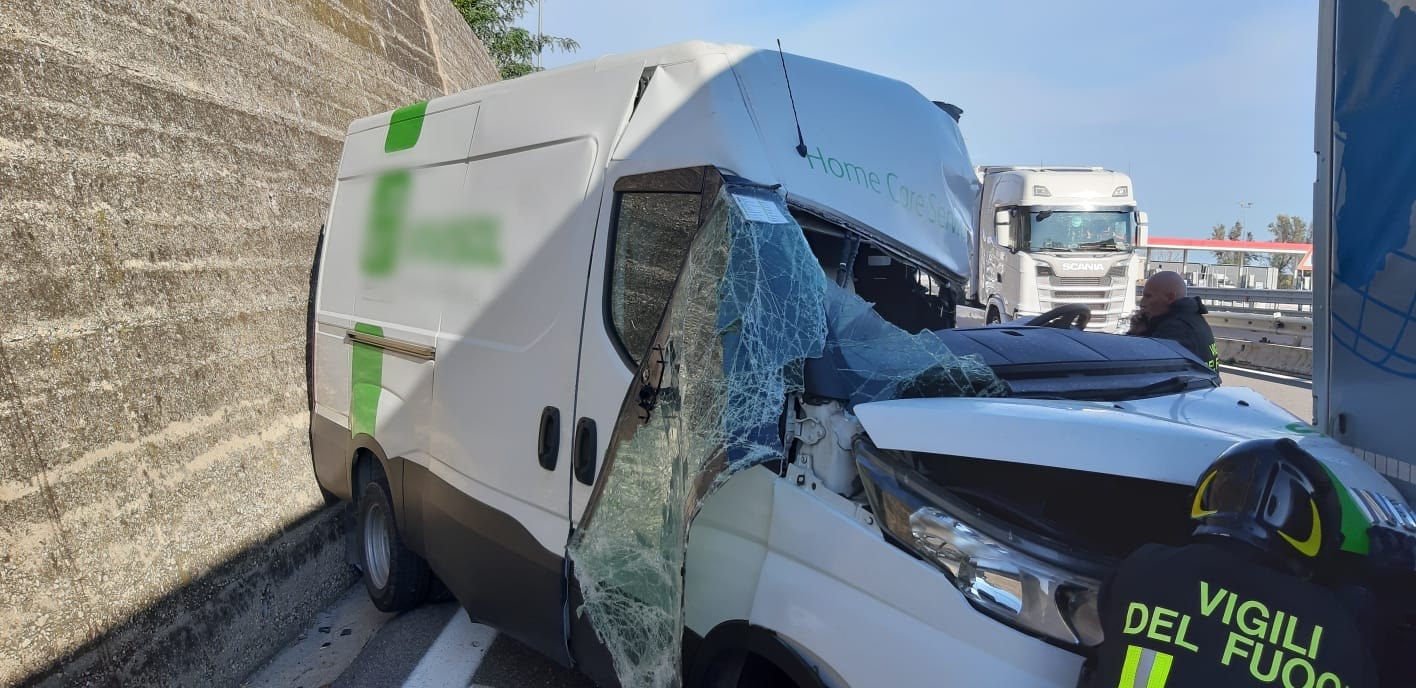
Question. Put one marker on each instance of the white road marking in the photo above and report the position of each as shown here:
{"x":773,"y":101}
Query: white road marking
{"x":453,"y":658}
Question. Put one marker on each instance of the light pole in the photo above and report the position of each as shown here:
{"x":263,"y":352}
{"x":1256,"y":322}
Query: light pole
{"x":1244,"y":207}
{"x":538,"y":35}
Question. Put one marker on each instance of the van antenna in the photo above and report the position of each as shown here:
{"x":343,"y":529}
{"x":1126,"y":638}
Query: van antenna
{"x":801,"y":142}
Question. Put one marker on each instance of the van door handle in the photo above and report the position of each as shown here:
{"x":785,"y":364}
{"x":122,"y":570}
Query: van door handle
{"x":585,"y":451}
{"x":548,"y":444}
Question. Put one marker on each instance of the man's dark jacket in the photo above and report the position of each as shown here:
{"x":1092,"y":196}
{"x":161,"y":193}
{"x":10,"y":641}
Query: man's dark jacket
{"x":1185,"y":323}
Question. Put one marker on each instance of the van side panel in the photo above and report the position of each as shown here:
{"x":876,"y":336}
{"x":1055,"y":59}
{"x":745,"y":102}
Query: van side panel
{"x":378,"y":289}
{"x":390,"y":222}
{"x":510,"y":333}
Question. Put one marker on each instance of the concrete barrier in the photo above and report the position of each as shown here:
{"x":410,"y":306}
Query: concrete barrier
{"x":165,"y":168}
{"x":1289,"y":360}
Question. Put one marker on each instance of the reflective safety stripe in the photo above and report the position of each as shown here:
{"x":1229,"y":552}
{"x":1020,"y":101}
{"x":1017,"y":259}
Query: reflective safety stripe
{"x":1128,"y":670}
{"x":1144,"y":668}
{"x":1160,"y":670}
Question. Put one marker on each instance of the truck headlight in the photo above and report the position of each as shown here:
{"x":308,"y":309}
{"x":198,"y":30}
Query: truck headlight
{"x":1022,"y":580}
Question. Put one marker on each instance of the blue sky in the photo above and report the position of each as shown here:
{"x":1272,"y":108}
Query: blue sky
{"x":1206,"y":103}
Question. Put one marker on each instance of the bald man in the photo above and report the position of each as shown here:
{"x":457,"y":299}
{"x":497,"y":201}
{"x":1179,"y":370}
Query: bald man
{"x":1166,"y":313}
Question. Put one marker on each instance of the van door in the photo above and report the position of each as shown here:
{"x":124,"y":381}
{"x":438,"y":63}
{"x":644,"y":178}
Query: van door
{"x":647,"y":221}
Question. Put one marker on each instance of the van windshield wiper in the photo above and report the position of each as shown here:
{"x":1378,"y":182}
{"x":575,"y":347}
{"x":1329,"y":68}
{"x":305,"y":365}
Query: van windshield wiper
{"x":1170,"y":385}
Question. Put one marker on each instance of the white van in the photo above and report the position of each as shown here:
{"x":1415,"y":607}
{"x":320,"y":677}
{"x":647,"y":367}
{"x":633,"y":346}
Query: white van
{"x":703,"y":294}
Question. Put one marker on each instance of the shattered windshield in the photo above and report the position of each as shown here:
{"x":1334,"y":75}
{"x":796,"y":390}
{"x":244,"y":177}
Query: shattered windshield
{"x":752,"y":320}
{"x":1070,"y":230}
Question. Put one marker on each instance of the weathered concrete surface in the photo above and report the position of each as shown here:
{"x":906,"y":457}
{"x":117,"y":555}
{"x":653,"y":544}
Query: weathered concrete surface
{"x":165,"y":167}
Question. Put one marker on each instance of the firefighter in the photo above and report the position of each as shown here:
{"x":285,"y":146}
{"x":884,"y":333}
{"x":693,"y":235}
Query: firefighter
{"x":1238,"y":605}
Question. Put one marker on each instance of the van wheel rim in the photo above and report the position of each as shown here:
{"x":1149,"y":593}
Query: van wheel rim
{"x":376,"y":554}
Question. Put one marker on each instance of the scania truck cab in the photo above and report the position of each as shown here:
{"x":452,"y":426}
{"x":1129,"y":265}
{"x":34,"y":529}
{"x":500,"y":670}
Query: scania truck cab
{"x":1053,"y":236}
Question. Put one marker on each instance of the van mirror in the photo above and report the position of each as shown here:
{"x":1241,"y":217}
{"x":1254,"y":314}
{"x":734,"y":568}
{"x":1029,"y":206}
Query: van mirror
{"x":1142,"y":228}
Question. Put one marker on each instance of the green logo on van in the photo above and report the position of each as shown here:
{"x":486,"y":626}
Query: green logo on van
{"x":469,"y":241}
{"x":386,"y":212}
{"x":404,"y":127}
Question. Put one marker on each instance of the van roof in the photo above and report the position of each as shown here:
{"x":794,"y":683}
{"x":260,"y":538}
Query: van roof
{"x":864,"y":149}
{"x":664,"y":55}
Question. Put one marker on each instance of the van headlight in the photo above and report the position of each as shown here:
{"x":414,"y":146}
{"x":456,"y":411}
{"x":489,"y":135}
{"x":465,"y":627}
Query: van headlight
{"x":1024,"y":580}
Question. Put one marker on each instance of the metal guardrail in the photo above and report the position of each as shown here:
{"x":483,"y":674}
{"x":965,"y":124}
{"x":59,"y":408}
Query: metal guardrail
{"x":1289,"y":329}
{"x":1265,"y":301}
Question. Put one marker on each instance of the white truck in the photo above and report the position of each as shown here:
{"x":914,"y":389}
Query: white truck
{"x":1054,"y":237}
{"x":651,"y":361}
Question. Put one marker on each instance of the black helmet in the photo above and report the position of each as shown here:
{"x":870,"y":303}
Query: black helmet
{"x":1273,"y":495}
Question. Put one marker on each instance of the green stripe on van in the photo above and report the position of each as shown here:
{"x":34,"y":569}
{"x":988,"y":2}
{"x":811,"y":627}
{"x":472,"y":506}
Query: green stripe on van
{"x":366,"y":383}
{"x":1354,"y":524}
{"x":404,"y":127}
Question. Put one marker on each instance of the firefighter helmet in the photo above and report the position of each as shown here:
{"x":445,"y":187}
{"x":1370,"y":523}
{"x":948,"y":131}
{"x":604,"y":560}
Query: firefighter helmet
{"x":1271,"y":494}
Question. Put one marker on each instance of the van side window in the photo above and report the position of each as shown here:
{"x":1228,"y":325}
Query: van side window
{"x":652,"y":234}
{"x":655,"y":218}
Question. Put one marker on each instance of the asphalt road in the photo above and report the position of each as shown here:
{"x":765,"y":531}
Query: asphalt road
{"x":1292,"y":393}
{"x":353,"y":645}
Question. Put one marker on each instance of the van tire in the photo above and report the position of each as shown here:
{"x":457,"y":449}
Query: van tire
{"x":396,"y":577}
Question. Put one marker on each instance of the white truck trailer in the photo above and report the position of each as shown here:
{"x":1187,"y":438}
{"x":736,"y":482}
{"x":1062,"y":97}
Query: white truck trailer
{"x":1052,"y":237}
{"x":1364,"y":233}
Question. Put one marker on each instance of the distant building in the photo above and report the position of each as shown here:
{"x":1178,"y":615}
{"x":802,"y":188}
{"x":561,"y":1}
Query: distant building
{"x":1161,"y":253}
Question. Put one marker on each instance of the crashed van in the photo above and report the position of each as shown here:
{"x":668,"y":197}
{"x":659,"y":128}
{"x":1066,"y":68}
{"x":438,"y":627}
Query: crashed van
{"x":651,"y":362}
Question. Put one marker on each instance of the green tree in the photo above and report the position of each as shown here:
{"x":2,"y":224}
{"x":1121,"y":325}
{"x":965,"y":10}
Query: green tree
{"x":1290,"y":229}
{"x":514,"y":48}
{"x":1233,"y":233}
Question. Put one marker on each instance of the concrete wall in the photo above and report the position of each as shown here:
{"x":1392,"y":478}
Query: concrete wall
{"x":165,"y":167}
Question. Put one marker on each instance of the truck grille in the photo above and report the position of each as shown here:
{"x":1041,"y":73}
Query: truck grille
{"x":1058,"y":281}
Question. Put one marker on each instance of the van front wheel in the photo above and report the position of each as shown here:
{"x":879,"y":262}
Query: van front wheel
{"x":397,"y":578}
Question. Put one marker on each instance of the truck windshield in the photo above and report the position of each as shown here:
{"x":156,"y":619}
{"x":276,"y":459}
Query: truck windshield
{"x":1046,"y":229}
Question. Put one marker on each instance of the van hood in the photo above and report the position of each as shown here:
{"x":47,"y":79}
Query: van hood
{"x":1169,"y":439}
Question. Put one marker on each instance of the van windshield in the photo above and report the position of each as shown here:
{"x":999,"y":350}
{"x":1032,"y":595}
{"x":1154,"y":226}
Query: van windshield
{"x":1056,"y":229}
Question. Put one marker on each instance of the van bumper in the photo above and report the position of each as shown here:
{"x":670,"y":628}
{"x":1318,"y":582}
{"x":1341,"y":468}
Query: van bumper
{"x":330,"y":448}
{"x":832,"y":587}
